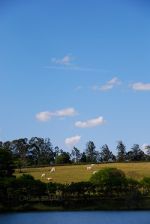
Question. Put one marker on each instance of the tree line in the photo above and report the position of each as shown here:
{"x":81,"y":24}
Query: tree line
{"x":105,"y":184}
{"x":108,"y":188}
{"x":39,"y":152}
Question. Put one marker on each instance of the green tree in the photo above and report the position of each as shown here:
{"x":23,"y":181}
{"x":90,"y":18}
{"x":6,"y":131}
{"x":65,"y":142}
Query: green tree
{"x":145,"y":183}
{"x":41,"y":151}
{"x":121,"y":152}
{"x":136,"y":154}
{"x":106,"y":155}
{"x":76,"y":155}
{"x":63,"y":158}
{"x":109,"y":180}
{"x":83,"y":158}
{"x":90,"y":151}
{"x":19,"y":147}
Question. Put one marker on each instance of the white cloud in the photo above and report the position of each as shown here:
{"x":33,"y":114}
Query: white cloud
{"x":114,"y":81}
{"x":106,"y":87}
{"x":43,"y":116}
{"x":90,"y":123}
{"x":139,"y":86}
{"x":66,"y":63}
{"x":65,"y":112}
{"x":66,"y":60}
{"x":47,"y":115}
{"x":110,"y":84}
{"x":71,"y":141}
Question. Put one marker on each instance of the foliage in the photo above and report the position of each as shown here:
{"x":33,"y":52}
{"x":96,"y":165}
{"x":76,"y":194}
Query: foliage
{"x":109,"y":179}
{"x":83,"y":158}
{"x":121,"y":152}
{"x":38,"y":151}
{"x":64,"y":157}
{"x":90,"y":152}
{"x":145,"y":183}
{"x":6,"y":163}
{"x":76,"y":155}
{"x":106,"y":155}
{"x":136,"y":154}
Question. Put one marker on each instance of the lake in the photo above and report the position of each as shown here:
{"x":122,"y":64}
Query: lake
{"x":94,"y":217}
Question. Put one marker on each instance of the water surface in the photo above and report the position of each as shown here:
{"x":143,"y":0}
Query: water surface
{"x":98,"y":217}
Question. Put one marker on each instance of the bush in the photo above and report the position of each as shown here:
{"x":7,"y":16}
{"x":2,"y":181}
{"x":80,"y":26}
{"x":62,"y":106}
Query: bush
{"x":109,"y":180}
{"x":145,"y":184}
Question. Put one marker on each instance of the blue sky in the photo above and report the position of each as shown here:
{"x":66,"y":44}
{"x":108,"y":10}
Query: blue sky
{"x":75,"y":71}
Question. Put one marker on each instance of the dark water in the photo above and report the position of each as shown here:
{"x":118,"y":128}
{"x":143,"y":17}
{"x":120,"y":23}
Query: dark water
{"x":76,"y":218}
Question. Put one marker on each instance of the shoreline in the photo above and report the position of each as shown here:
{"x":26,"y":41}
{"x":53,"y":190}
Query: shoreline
{"x":96,"y":205}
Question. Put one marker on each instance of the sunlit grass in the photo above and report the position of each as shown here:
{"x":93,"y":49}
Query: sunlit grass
{"x":76,"y":173}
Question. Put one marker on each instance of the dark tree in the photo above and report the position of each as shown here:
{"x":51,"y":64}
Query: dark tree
{"x":41,"y":151}
{"x":106,"y":155}
{"x":147,"y":149}
{"x":76,"y":155}
{"x":109,"y":180}
{"x":63,"y":158}
{"x":47,"y":154}
{"x":83,"y":158}
{"x":147,"y":152}
{"x":91,"y":153}
{"x":6,"y":163}
{"x":121,"y":152}
{"x":57,"y":151}
{"x":136,"y":154}
{"x":7,"y":146}
{"x":19,"y":147}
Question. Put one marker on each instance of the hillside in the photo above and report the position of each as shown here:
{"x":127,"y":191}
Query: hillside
{"x":76,"y":173}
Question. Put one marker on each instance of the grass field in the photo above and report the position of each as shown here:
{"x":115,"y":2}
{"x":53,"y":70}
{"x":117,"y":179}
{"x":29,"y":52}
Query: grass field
{"x":76,"y":173}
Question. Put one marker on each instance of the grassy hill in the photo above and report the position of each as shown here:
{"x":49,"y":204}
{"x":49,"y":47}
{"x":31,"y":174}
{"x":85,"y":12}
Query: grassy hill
{"x":76,"y":173}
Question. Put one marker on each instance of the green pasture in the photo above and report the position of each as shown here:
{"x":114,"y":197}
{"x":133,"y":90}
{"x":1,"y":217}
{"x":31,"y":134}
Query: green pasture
{"x":76,"y":173}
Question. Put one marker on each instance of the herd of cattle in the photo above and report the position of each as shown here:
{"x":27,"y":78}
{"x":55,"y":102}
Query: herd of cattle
{"x":53,"y":169}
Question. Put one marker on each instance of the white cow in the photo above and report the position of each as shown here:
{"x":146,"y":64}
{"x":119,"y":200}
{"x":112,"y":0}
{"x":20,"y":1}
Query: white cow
{"x":94,"y":172}
{"x":92,"y":164}
{"x":88,"y":167}
{"x":43,"y":175}
{"x":53,"y":170}
{"x":49,"y":178}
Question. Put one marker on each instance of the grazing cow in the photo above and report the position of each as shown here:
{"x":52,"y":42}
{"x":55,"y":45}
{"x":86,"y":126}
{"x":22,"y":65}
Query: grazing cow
{"x":88,"y":167}
{"x":43,"y":175}
{"x":49,"y":178}
{"x":94,"y":172}
{"x":52,"y":170}
{"x":92,"y":164}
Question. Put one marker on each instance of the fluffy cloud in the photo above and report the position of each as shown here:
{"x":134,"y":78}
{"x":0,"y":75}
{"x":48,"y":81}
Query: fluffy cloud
{"x":139,"y":86}
{"x":47,"y":115}
{"x":65,"y":112}
{"x":90,"y":123}
{"x":72,"y":140}
{"x":66,"y":60}
{"x":43,"y":116}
